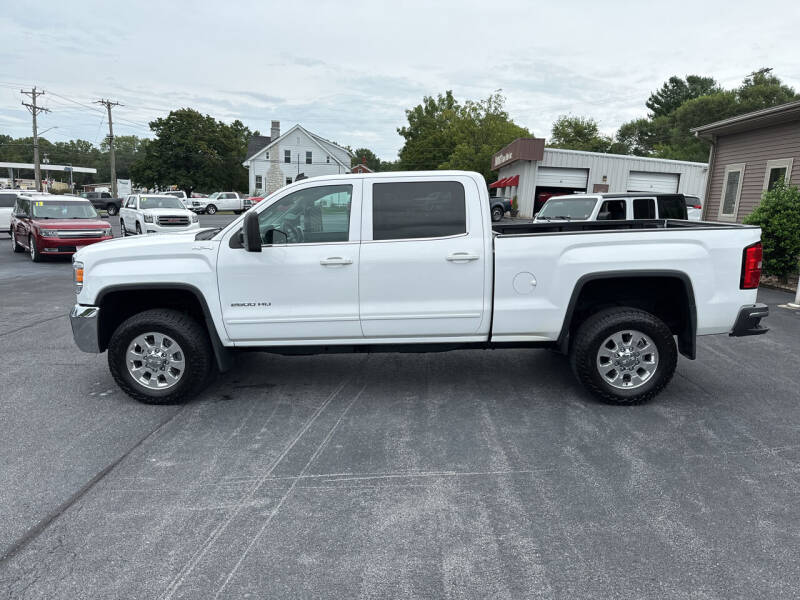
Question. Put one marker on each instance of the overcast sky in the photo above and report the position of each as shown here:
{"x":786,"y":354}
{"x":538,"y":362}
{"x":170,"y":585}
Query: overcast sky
{"x":348,"y":70}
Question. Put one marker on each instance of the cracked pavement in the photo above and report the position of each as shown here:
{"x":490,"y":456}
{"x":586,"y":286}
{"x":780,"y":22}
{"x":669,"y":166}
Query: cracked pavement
{"x":467,"y":474}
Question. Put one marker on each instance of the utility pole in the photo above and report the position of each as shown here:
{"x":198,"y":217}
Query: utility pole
{"x":109,"y":105}
{"x":35,"y":110}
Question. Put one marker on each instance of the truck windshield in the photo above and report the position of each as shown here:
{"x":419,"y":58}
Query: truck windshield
{"x":51,"y":209}
{"x":214,"y":195}
{"x":576,"y":209}
{"x":176,"y":194}
{"x":159,"y":202}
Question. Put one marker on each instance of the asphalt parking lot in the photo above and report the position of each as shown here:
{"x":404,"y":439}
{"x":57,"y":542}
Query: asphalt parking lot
{"x":467,"y":474}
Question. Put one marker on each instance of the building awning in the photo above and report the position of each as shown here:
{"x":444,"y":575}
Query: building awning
{"x":505,"y":182}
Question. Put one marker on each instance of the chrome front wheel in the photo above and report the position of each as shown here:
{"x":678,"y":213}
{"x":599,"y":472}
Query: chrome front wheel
{"x":155,"y":360}
{"x":627,"y":359}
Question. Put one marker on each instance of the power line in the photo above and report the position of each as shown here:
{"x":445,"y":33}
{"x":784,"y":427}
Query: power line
{"x":109,"y":104}
{"x":35,"y":110}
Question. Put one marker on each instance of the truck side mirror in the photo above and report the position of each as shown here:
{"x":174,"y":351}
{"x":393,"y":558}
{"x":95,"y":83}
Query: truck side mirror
{"x":251,"y":234}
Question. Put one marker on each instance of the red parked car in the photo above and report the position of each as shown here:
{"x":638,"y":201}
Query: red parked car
{"x":257,"y":198}
{"x":47,"y":225}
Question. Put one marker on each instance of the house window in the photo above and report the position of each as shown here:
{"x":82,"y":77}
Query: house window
{"x":731,"y":191}
{"x":308,"y":157}
{"x":328,"y":159}
{"x":258,"y":182}
{"x":287,"y":156}
{"x":288,"y":180}
{"x":266,"y":155}
{"x":777,"y":170}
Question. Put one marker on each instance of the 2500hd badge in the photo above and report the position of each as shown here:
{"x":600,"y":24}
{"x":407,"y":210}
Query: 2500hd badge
{"x":245,"y":304}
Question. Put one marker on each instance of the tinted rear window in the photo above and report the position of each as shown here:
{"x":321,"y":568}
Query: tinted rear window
{"x":671,"y":207}
{"x":418,"y":210}
{"x":7,"y":200}
{"x":644,"y":208}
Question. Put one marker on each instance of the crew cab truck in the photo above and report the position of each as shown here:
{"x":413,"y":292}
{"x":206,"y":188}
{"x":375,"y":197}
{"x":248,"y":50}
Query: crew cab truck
{"x":411,"y":262}
{"x":155,"y":213}
{"x":103,"y":201}
{"x":218,"y":201}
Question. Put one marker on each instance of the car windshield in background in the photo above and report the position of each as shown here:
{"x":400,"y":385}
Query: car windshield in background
{"x":567,"y":208}
{"x":159,"y":202}
{"x":49,"y":209}
{"x":214,"y":195}
{"x":174,"y":194}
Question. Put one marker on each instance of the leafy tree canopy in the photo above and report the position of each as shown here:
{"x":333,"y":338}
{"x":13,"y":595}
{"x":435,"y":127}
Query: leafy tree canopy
{"x":194,"y":151}
{"x":443,"y":133}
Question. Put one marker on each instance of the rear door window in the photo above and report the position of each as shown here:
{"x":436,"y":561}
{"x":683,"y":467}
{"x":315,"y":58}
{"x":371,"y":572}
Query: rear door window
{"x":671,"y":207}
{"x":7,"y":200}
{"x":413,"y":210}
{"x":644,"y":208}
{"x":612,"y":210}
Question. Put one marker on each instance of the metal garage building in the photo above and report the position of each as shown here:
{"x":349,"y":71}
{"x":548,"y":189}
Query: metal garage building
{"x":532,"y":173}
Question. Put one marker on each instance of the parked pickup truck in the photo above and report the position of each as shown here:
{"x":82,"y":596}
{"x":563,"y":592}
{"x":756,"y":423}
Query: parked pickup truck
{"x":155,"y":213}
{"x":499,"y":207}
{"x":104,"y":201}
{"x":221,"y":201}
{"x":411,"y":262}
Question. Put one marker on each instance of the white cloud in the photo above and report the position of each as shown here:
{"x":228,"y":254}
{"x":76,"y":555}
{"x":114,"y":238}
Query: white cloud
{"x":349,"y":73}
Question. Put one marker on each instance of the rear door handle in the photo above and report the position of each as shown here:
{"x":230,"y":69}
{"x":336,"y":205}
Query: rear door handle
{"x":462,"y":256}
{"x":336,"y":260}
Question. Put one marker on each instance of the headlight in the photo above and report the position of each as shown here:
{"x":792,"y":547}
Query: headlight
{"x":195,"y":218}
{"x":108,"y":232}
{"x":148,"y":218}
{"x":77,"y":276}
{"x":49,"y":232}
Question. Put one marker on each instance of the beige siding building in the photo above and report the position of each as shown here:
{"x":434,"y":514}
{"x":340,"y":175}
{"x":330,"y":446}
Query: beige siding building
{"x":749,"y":154}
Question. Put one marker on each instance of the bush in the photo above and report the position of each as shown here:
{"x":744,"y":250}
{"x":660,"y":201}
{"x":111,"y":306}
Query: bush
{"x":778,"y":215}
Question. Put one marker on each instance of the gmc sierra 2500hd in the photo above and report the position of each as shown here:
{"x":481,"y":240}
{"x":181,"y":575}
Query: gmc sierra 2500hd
{"x":410,"y":262}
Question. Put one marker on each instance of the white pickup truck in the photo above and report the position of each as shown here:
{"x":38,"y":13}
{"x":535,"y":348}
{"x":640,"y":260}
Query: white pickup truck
{"x":155,"y":213}
{"x":411,"y":262}
{"x":221,"y":201}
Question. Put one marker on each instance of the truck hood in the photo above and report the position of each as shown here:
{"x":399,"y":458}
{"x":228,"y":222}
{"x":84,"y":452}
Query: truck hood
{"x":144,"y":245}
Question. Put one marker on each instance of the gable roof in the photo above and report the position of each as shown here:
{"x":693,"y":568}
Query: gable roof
{"x":314,"y":138}
{"x":256,"y":143}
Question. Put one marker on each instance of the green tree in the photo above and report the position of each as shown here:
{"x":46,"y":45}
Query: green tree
{"x":676,"y":91}
{"x":778,"y":215}
{"x":372,"y":161}
{"x":481,"y":129}
{"x":127,"y":149}
{"x":445,"y":134}
{"x":578,"y":133}
{"x":194,"y":151}
{"x":429,"y":139}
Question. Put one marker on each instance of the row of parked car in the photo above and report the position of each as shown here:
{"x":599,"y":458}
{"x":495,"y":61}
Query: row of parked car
{"x":199,"y":203}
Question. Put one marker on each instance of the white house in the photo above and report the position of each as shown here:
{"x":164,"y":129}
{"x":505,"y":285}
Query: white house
{"x":276,"y":160}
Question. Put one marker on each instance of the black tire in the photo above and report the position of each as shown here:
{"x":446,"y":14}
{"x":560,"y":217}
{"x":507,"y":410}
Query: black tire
{"x":138,"y":229}
{"x":192,"y":338}
{"x":211,"y":209}
{"x":36,"y":256}
{"x":497,"y":213}
{"x":597,"y":328}
{"x":111,"y":209}
{"x":14,"y":244}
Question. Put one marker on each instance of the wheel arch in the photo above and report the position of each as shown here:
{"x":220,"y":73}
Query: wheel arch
{"x":653,"y":291}
{"x":120,"y":302}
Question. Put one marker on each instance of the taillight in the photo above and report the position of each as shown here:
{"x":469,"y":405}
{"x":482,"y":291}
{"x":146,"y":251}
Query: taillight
{"x":697,"y":206}
{"x":751,"y":267}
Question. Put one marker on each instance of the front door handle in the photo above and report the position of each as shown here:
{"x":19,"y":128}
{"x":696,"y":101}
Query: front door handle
{"x":462,"y":256}
{"x":336,"y":260}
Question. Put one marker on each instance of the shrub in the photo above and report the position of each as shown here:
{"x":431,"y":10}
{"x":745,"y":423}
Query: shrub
{"x":778,"y":215}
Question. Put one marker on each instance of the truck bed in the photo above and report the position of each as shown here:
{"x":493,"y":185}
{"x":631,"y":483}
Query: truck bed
{"x":597,"y":226}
